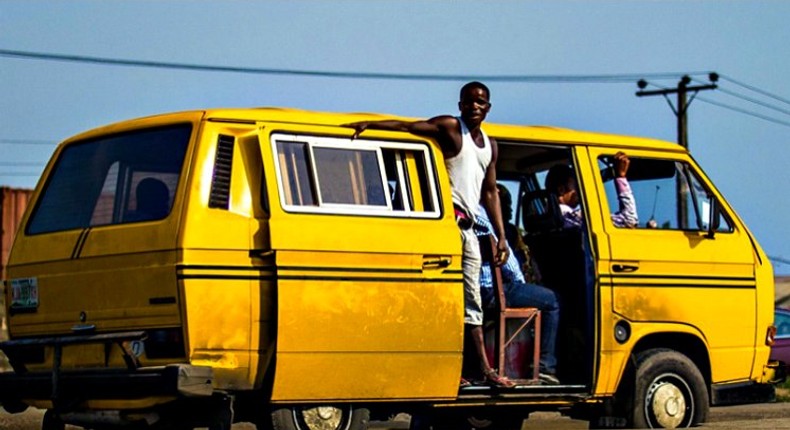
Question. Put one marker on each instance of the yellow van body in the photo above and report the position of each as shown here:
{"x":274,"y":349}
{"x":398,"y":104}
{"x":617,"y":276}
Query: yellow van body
{"x":291,"y":268}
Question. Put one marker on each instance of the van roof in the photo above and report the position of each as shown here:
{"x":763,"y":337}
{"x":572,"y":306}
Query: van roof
{"x":504,"y":132}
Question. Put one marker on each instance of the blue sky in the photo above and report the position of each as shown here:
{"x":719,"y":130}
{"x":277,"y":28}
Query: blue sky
{"x":743,"y":40}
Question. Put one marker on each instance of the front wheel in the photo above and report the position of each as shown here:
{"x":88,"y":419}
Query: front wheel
{"x":341,"y":417}
{"x":670,"y":391}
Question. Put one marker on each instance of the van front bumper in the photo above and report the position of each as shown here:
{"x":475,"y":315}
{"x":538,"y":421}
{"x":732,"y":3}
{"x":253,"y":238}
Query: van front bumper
{"x":67,"y":388}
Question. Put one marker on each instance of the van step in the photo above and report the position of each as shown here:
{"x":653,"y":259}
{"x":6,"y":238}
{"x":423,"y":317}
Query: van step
{"x":525,"y":391}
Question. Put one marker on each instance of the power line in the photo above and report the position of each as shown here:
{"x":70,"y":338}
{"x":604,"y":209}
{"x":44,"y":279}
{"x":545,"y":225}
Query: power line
{"x":779,"y":259}
{"x":753,"y":88}
{"x":20,"y":163}
{"x":602,"y":78}
{"x":744,"y":111}
{"x":751,"y":100}
{"x":26,"y":142}
{"x":755,"y":101}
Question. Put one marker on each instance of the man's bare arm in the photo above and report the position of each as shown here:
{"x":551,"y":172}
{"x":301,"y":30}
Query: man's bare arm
{"x":490,"y":201}
{"x":441,"y":129}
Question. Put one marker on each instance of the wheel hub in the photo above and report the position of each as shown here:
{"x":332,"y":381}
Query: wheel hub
{"x":668,"y":405}
{"x":323,"y":418}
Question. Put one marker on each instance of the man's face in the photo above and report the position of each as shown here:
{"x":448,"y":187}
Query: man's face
{"x":474,"y":106}
{"x":569,"y":194}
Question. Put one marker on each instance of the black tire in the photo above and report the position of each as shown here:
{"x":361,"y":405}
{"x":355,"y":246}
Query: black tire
{"x":472,"y":421}
{"x":222,"y":418}
{"x":339,"y":417}
{"x":669,"y":391}
{"x":52,"y":421}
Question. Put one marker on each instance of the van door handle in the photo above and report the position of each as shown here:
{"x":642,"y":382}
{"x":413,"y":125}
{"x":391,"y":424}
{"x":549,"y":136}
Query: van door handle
{"x":624,"y":268}
{"x":261,"y":253}
{"x":436,"y":261}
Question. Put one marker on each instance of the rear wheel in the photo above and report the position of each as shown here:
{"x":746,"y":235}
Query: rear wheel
{"x":341,"y":417}
{"x":670,"y":391}
{"x":52,"y":421}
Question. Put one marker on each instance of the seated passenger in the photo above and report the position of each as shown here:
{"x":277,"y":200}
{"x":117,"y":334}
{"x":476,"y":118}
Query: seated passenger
{"x":520,"y":294}
{"x":561,"y":181}
{"x":153,"y":200}
{"x":513,"y":236}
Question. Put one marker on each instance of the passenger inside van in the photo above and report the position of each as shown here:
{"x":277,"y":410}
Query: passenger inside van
{"x":153,"y":200}
{"x":514,"y":237}
{"x":561,"y":181}
{"x":520,"y":294}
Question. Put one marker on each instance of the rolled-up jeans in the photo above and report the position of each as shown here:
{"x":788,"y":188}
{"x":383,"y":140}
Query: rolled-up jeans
{"x":524,"y":295}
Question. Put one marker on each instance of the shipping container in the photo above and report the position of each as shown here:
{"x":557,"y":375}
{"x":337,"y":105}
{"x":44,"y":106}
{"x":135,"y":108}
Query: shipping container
{"x":12,"y":206}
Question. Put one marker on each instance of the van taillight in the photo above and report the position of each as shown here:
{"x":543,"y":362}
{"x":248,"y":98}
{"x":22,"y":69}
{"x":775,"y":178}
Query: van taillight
{"x":770,"y":335}
{"x":165,"y":343}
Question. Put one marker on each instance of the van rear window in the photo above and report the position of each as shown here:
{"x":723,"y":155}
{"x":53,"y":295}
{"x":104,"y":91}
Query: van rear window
{"x":123,"y":178}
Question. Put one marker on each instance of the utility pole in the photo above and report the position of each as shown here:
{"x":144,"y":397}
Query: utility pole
{"x":682,"y":105}
{"x":683,"y":88}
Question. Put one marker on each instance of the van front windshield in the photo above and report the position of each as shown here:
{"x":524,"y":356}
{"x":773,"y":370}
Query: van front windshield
{"x":123,"y":178}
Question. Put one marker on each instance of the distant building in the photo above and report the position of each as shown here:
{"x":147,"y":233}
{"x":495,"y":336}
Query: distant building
{"x":13,"y":202}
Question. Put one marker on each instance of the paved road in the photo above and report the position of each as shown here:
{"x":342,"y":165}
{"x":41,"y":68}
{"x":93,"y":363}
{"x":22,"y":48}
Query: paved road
{"x":760,"y":416}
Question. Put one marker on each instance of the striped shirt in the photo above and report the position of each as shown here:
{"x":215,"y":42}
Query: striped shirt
{"x":511,"y":270}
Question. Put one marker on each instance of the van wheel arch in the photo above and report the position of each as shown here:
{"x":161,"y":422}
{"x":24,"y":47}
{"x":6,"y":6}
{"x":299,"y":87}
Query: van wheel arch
{"x":687,"y":344}
{"x":616,"y":411}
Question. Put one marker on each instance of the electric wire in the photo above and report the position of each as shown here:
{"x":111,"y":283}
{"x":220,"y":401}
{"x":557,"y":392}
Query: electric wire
{"x":26,"y":142}
{"x":20,"y":163}
{"x":755,"y":89}
{"x":600,"y":78}
{"x":779,"y":259}
{"x":744,"y":111}
{"x":749,"y":99}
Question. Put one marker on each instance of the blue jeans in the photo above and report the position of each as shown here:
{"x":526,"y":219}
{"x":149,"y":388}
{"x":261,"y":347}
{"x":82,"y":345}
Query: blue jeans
{"x":523,"y":295}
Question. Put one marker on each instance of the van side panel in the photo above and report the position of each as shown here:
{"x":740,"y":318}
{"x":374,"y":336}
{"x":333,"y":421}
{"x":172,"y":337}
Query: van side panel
{"x":363,"y":310}
{"x":678,"y":281}
{"x":226,"y":288}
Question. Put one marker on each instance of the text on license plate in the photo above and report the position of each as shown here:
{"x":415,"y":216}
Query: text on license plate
{"x":24,"y":293}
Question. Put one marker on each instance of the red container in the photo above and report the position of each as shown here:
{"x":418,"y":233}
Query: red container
{"x":13,"y":202}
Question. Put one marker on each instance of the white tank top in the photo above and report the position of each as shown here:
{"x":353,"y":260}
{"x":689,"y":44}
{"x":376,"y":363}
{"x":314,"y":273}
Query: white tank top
{"x":467,"y":171}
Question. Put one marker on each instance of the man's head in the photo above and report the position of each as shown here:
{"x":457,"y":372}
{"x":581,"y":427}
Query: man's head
{"x":474,"y":103}
{"x":561,"y":181}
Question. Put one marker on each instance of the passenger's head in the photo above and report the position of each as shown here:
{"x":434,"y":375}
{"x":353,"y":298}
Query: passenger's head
{"x":474,"y":103}
{"x":561,"y":181}
{"x":505,"y":202}
{"x":153,"y":198}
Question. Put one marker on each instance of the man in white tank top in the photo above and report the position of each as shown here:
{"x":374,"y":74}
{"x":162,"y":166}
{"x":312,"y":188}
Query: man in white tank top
{"x":470,"y":156}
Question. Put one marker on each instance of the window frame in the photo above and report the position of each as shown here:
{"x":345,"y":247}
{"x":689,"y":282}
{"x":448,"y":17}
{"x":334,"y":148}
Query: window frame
{"x":126,"y":169}
{"x":378,"y":146}
{"x":690,"y":174}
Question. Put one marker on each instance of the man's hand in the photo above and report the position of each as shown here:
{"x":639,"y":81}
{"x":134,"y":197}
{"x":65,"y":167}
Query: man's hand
{"x":359,"y":127}
{"x":621,"y":163}
{"x":501,"y":252}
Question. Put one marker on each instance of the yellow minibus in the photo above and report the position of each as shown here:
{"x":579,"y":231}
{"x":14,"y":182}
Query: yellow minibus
{"x":201,"y":268}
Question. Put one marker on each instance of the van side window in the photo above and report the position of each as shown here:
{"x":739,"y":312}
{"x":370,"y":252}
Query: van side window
{"x":112,"y":180}
{"x":349,"y":176}
{"x":296,"y":181}
{"x":669,"y":195}
{"x":334,"y":175}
